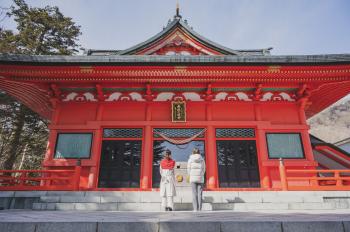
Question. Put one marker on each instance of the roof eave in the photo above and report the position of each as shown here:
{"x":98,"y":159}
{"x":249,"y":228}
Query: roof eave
{"x":173,"y":60}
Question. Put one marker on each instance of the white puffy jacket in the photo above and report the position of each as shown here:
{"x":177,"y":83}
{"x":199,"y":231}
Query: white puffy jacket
{"x":196,"y":168}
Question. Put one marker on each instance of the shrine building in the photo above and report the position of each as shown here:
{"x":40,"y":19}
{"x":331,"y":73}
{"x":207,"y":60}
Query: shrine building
{"x":113,"y":113}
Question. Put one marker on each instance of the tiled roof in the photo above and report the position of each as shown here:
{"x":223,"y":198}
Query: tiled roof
{"x":177,"y":22}
{"x":174,"y":60}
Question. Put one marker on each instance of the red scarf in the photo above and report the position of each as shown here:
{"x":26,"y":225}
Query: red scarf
{"x":167,"y":164}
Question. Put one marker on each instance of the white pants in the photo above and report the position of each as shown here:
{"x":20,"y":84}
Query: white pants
{"x":167,"y":202}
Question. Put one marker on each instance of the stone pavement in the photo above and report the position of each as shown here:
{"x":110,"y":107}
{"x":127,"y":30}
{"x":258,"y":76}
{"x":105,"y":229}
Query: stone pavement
{"x":219,"y":221}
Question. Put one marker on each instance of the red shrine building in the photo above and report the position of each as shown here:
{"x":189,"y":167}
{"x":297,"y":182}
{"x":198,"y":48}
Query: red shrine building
{"x":113,"y":113}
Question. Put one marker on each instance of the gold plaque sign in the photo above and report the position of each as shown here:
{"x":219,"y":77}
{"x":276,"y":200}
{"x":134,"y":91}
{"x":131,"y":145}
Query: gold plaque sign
{"x":178,"y":111}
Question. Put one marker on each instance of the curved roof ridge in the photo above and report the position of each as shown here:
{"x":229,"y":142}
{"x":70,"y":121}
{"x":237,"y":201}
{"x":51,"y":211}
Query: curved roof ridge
{"x":154,"y":38}
{"x":207,"y":42}
{"x":177,"y":21}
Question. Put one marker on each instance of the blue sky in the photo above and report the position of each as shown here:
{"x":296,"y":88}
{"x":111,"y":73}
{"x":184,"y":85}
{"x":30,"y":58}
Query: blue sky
{"x":290,"y":27}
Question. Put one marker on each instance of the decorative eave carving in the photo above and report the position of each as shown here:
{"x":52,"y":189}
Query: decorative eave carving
{"x":177,"y":74}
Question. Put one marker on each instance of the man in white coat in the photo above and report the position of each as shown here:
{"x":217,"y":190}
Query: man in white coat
{"x":196,"y":170}
{"x":167,"y":182}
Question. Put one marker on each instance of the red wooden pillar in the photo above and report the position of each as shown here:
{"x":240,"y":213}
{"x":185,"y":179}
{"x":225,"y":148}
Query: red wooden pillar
{"x":50,"y":150}
{"x":96,"y":158}
{"x":307,"y":145}
{"x":261,"y":150}
{"x":302,"y":117}
{"x":283,"y":175}
{"x":147,"y":160}
{"x":55,"y":102}
{"x":305,"y":134}
{"x":262,"y":158}
{"x":96,"y":149}
{"x":147,"y":154}
{"x":211,"y":160}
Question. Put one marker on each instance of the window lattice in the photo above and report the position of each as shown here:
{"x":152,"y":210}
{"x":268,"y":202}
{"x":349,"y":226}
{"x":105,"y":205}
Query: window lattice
{"x":178,"y":133}
{"x":122,"y":133}
{"x":73,"y":145}
{"x":235,"y":133}
{"x":286,"y":146}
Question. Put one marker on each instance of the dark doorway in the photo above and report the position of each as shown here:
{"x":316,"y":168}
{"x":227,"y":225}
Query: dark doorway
{"x":120,"y":164}
{"x":237,"y":164}
{"x":180,"y":153}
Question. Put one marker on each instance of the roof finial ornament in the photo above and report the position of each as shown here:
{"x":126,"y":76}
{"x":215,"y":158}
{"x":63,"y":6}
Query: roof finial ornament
{"x":177,"y":10}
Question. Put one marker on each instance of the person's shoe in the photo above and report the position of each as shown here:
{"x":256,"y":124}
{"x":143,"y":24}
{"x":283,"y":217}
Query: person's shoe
{"x":166,"y":208}
{"x":170,"y":209}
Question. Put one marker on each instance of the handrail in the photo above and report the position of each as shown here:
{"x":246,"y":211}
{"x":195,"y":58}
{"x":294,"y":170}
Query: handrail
{"x":47,"y":179}
{"x":36,"y":171}
{"x":313,"y":181}
{"x":318,"y":171}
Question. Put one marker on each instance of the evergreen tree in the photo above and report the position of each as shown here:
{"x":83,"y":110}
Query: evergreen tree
{"x":40,"y":31}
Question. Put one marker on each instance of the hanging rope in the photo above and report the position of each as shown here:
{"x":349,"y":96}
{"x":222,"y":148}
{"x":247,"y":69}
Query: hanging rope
{"x":179,"y":141}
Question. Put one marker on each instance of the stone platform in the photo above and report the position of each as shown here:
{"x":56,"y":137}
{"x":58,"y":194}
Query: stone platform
{"x":150,"y":201}
{"x":73,"y":221}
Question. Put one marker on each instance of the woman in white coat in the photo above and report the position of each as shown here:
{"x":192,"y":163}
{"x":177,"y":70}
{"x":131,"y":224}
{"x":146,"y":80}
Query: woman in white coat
{"x":196,"y":170}
{"x":167,"y":182}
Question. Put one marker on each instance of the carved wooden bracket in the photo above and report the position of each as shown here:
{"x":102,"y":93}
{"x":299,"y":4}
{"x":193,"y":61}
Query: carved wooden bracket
{"x":257,"y":93}
{"x":100,"y":94}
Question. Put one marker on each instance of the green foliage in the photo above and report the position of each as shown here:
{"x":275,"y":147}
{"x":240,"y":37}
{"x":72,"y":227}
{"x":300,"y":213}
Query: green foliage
{"x":8,"y":42}
{"x":43,"y":31}
{"x":40,"y":31}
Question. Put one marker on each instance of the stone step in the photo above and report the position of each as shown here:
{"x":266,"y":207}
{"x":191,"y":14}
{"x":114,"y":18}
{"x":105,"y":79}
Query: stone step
{"x":279,"y":221}
{"x":155,"y":207}
{"x":180,"y":192}
{"x":153,"y":197}
{"x":215,"y":200}
{"x":283,"y":206}
{"x":123,"y":206}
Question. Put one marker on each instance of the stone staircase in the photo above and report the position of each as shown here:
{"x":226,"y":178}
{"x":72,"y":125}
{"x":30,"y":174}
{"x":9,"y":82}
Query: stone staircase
{"x":150,"y":201}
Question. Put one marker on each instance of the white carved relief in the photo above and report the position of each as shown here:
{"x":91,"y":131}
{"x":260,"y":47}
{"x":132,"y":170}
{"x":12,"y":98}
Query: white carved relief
{"x":118,"y":96}
{"x":239,"y":96}
{"x":220,"y":96}
{"x":136,"y":96}
{"x":192,"y":96}
{"x":277,"y":97}
{"x":125,"y":98}
{"x":266,"y":97}
{"x":243,"y":96}
{"x":114,"y":96}
{"x":170,"y":96}
{"x":79,"y":97}
{"x":165,"y":96}
{"x":70,"y":97}
{"x":287,"y":97}
{"x":90,"y":97}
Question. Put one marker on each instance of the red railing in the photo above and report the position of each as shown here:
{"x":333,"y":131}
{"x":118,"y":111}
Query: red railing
{"x":334,"y":153}
{"x":40,"y":179}
{"x":295,"y":179}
